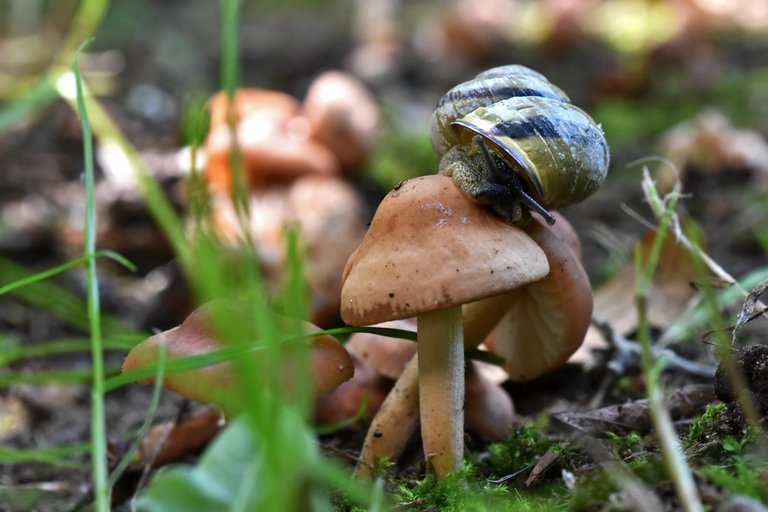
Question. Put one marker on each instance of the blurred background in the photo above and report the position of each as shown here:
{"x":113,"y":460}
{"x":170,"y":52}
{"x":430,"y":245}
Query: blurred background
{"x":640,"y":67}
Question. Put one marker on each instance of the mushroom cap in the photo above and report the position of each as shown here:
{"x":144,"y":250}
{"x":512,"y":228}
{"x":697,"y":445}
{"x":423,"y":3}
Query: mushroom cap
{"x":547,"y":320}
{"x":329,"y":362}
{"x":388,"y":356}
{"x":328,"y":213}
{"x":272,"y":107}
{"x":488,"y":408}
{"x":343,"y":116}
{"x":343,"y":403}
{"x":273,"y":139}
{"x":430,"y":247}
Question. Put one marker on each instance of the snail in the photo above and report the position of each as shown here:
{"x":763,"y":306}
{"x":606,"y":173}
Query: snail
{"x":512,"y":140}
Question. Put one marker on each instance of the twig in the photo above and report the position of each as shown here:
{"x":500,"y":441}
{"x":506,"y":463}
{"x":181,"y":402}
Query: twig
{"x":627,"y":354}
{"x":676,"y":464}
{"x":658,"y":207}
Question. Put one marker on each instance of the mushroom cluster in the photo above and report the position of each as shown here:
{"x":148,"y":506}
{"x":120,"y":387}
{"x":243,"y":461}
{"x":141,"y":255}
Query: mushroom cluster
{"x":280,"y":139}
{"x":294,"y":157}
{"x":381,"y":360}
{"x":433,"y":254}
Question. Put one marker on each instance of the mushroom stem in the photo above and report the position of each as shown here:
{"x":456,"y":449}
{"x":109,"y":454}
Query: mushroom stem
{"x":441,"y":388}
{"x":394,"y":423}
{"x":397,"y":418}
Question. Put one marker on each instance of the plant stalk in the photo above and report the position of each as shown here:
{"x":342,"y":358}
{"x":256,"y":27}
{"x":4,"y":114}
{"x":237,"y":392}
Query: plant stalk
{"x":98,"y":421}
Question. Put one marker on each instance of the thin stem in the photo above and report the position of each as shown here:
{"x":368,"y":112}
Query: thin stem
{"x":441,"y":388}
{"x":674,"y":460}
{"x":394,"y":423}
{"x":98,"y":427}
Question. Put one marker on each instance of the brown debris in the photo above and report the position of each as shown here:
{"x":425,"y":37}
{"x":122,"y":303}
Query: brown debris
{"x":685,"y":402}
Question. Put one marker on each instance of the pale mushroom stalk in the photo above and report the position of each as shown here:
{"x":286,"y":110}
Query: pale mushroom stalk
{"x":441,"y":387}
{"x":397,"y":418}
{"x":395,"y":421}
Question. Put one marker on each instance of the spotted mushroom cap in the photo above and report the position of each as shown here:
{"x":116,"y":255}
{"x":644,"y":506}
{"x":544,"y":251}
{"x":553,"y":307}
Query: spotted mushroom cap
{"x":429,"y":247}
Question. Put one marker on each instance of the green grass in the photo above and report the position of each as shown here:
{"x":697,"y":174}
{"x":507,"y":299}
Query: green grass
{"x":98,"y":414}
{"x":55,"y":456}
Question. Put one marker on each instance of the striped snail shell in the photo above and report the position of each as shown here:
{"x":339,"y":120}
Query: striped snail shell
{"x":509,"y":137}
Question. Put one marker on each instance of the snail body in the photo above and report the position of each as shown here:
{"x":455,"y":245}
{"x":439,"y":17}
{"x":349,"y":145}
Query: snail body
{"x":509,"y":139}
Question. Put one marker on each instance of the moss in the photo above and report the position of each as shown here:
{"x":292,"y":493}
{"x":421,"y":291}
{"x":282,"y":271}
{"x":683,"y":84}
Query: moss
{"x":521,"y":448}
{"x":703,"y":426}
{"x":465,"y":491}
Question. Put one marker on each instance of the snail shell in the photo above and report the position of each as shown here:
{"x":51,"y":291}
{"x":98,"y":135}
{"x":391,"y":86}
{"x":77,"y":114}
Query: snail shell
{"x":530,"y":126}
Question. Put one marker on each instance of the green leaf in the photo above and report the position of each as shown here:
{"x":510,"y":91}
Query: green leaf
{"x":214,"y":483}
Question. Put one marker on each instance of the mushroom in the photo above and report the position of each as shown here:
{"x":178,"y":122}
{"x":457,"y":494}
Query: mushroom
{"x":329,"y":362}
{"x":343,"y":116}
{"x":546,"y":321}
{"x":387,"y":356}
{"x":273,"y":139}
{"x":488,"y":408}
{"x":328,"y":215}
{"x":343,"y":403}
{"x":428,"y":251}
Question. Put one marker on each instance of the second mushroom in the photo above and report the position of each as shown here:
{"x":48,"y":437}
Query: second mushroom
{"x":428,"y":251}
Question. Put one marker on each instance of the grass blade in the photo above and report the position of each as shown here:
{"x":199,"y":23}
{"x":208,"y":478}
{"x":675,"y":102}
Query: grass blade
{"x":98,"y":420}
{"x":151,"y":413}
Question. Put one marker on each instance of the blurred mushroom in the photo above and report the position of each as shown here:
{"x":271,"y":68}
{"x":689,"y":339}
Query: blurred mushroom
{"x":469,"y":30}
{"x":488,"y":408}
{"x":344,"y":402}
{"x":387,"y":356}
{"x":711,"y":144}
{"x":380,"y":40}
{"x":328,"y":214}
{"x":343,"y":116}
{"x":273,"y":140}
{"x":428,"y":250}
{"x":329,"y":362}
{"x":170,"y":441}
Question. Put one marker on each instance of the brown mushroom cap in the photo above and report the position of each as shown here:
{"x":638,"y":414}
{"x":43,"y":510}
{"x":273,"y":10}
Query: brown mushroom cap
{"x":388,"y":356}
{"x":546,"y":321}
{"x":343,"y":116}
{"x":343,"y":403}
{"x":273,"y":140}
{"x":328,"y":213}
{"x":329,"y":362}
{"x":429,"y":247}
{"x":489,"y":411}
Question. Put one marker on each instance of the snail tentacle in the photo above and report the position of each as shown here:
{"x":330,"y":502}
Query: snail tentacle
{"x":511,"y":188}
